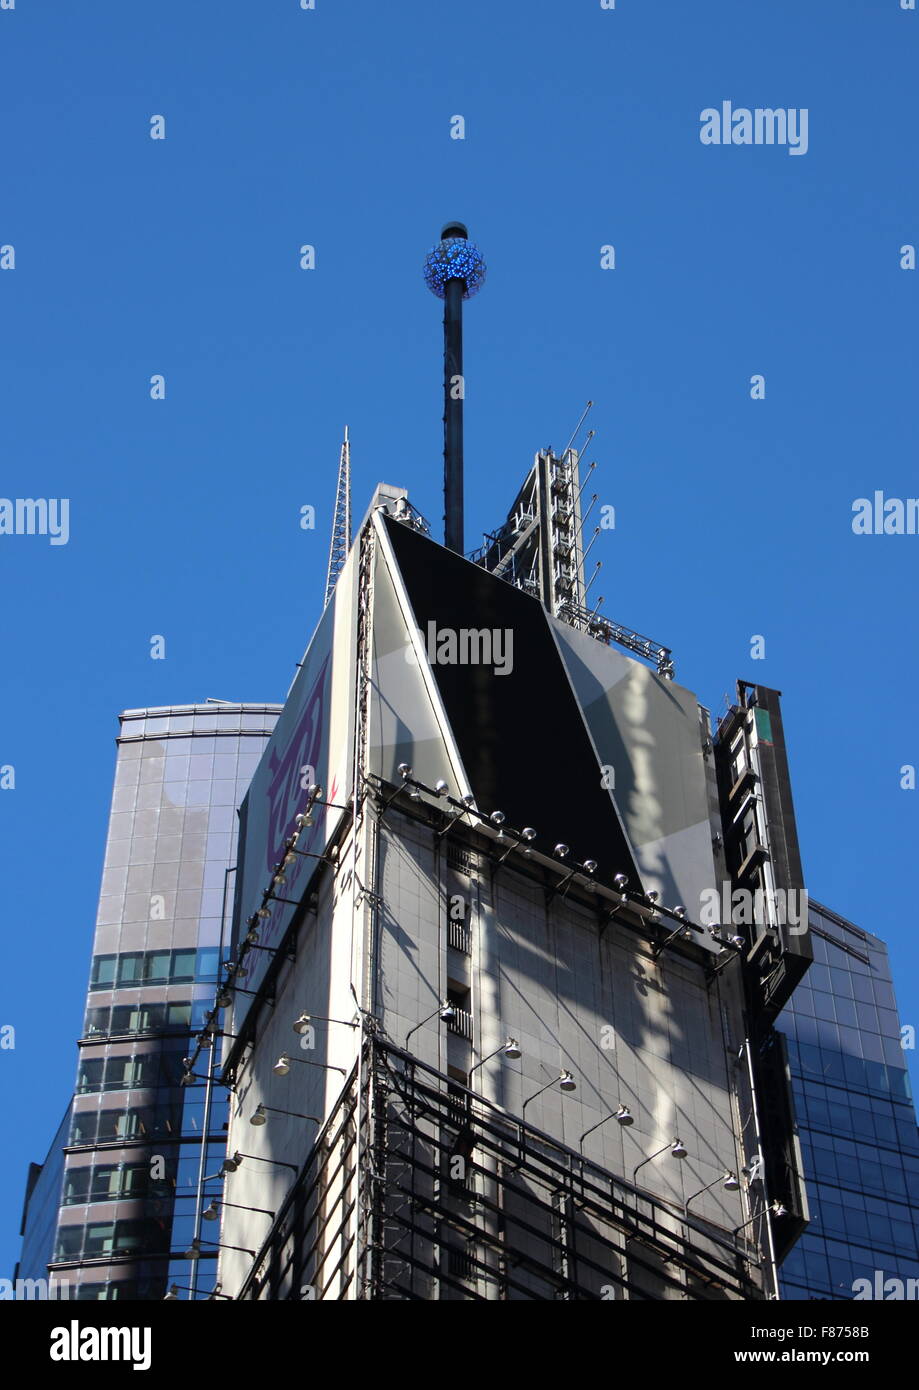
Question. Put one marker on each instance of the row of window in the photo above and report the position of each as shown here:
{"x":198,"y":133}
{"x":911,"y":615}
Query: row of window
{"x":851,"y":1071}
{"x":862,"y":1173}
{"x":101,"y":1238}
{"x":112,"y":1182}
{"x":137,"y":1122}
{"x":163,"y":1068}
{"x":131,"y":969}
{"x":839,"y":1219}
{"x":183,"y":1016}
{"x":828,"y":1108}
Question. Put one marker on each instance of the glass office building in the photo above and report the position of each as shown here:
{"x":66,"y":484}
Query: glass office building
{"x":40,"y":1214}
{"x":856,"y":1121}
{"x":138,"y":1139}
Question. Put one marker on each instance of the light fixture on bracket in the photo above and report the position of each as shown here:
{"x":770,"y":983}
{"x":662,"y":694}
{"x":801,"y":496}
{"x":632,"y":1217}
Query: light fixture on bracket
{"x":511,"y":1049}
{"x":565,"y":1082}
{"x":676,"y":1148}
{"x":444,"y":1010}
{"x":622,"y":1114}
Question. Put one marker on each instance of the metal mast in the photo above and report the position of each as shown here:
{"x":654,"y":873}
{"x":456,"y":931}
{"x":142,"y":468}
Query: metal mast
{"x":454,"y":271}
{"x":341,"y":522}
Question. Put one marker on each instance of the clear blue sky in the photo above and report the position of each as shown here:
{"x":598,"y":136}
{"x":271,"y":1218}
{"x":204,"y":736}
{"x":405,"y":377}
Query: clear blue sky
{"x":332,"y":127}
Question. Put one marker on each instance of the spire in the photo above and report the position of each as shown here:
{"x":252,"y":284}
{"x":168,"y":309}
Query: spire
{"x":454,"y":270}
{"x":341,"y":522}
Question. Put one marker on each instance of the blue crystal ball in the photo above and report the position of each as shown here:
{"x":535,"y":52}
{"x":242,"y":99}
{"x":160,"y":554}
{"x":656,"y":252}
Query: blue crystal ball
{"x":454,"y":259}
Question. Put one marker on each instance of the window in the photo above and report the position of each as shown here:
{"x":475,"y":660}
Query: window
{"x":158,"y":966}
{"x":183,"y":965}
{"x":76,"y":1185}
{"x":131,"y":969}
{"x":89,"y":1076}
{"x":207,"y":964}
{"x":99,"y":1239}
{"x":97,"y":1021}
{"x":103,"y":972}
{"x":106,"y":1183}
{"x":69,"y":1243}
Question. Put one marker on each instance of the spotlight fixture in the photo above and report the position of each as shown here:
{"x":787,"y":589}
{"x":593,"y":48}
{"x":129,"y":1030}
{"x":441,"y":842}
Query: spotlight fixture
{"x":224,"y":999}
{"x":511,"y":1050}
{"x":264,"y":912}
{"x":566,"y":1082}
{"x":561,"y":851}
{"x":445,"y":1011}
{"x":680,"y":912}
{"x":305,"y":818}
{"x":302,"y":1024}
{"x":737,"y":941}
{"x":260,"y":1115}
{"x":497,"y":818}
{"x":528,"y":833}
{"x":728,"y":1181}
{"x":653,"y":896}
{"x":172,"y":1295}
{"x":468,"y":801}
{"x":590,"y":865}
{"x":676,"y":1149}
{"x":404,"y":770}
{"x":211,"y":1213}
{"x":282,"y":1065}
{"x":622,"y":1115}
{"x":621,"y":881}
{"x":441,"y":787}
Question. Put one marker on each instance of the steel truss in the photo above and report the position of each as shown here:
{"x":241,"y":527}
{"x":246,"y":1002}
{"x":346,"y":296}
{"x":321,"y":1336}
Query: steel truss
{"x":466,"y":1203}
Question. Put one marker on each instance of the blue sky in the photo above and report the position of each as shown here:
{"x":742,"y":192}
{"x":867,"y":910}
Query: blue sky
{"x":331,"y":127}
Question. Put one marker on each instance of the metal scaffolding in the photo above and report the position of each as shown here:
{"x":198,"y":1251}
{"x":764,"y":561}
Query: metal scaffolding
{"x":459,"y":1200}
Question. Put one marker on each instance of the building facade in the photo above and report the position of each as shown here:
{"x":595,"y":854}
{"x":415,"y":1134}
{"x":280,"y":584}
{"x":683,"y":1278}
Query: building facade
{"x":40,"y":1212}
{"x":139,"y":1140}
{"x":490,"y":1048}
{"x":856,"y":1121}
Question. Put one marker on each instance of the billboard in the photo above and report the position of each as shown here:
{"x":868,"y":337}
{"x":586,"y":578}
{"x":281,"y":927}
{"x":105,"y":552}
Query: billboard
{"x":312,"y":743}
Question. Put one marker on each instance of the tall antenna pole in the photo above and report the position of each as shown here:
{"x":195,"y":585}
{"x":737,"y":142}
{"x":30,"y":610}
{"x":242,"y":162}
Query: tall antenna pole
{"x":341,"y":522}
{"x":454,"y":271}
